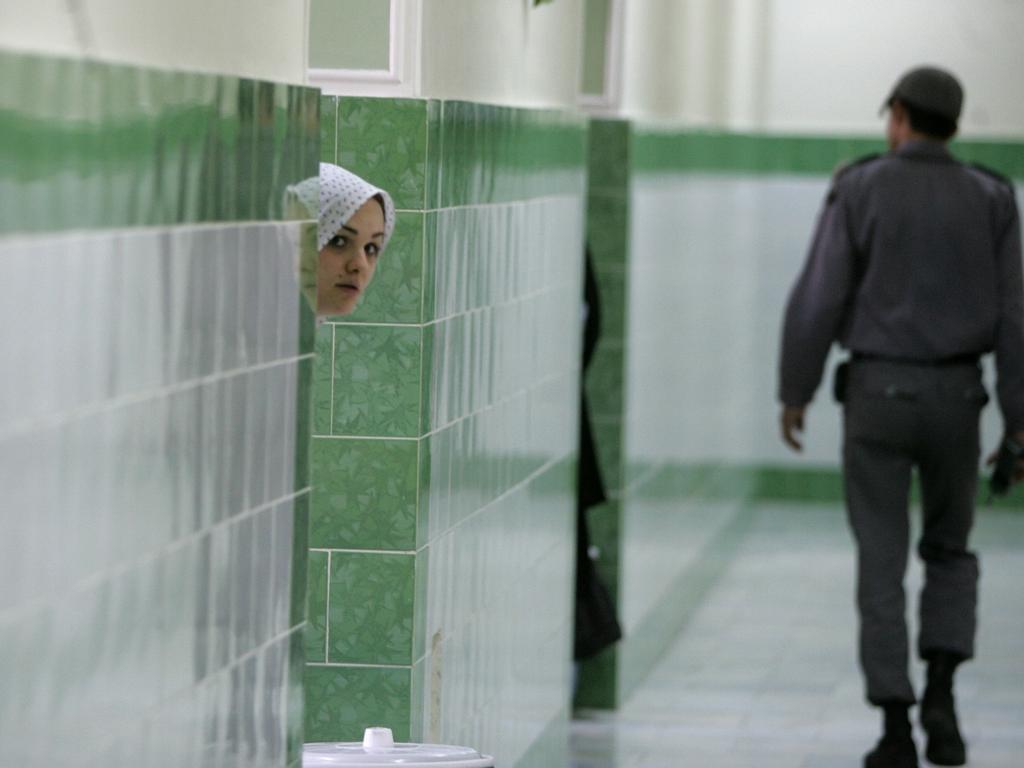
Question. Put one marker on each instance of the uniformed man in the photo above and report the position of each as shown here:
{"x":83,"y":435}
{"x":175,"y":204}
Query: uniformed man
{"x":915,"y":268}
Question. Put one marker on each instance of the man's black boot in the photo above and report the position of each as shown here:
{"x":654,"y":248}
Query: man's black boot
{"x":938,"y":713}
{"x":896,"y":748}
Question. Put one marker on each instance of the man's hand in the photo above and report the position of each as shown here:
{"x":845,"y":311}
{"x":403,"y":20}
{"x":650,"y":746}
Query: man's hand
{"x":1018,"y":472}
{"x":792,"y":423}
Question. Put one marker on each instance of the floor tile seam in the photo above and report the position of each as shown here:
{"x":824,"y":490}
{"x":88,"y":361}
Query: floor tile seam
{"x":64,"y":418}
{"x":21,"y":239}
{"x":98,"y":579}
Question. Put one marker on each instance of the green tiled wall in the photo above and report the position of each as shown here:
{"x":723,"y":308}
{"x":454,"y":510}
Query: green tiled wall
{"x":154,"y":417}
{"x":445,"y":418}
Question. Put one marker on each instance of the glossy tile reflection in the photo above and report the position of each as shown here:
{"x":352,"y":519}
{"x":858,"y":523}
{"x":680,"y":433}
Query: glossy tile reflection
{"x":152,"y":486}
{"x":108,"y":145}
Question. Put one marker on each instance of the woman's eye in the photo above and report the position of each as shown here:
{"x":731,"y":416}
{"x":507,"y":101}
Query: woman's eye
{"x":338,"y":241}
{"x":372,"y":249}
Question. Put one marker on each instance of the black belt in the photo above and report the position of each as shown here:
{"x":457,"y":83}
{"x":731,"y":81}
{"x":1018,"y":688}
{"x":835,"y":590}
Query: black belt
{"x":942,"y":362}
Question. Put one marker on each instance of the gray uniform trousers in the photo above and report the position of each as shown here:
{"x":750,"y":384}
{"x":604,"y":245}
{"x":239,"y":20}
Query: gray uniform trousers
{"x":898,"y":416}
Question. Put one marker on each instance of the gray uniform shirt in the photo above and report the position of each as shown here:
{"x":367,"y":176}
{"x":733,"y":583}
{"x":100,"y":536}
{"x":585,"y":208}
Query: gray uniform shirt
{"x":917,"y":256}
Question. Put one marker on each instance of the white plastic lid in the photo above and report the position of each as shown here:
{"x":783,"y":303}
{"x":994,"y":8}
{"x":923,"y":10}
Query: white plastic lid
{"x":379,"y":748}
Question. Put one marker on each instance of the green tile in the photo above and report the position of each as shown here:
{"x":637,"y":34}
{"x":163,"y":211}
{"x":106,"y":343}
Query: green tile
{"x":341,"y":702}
{"x":605,"y":525}
{"x":377,"y":381}
{"x":608,"y":230}
{"x":316,"y":626}
{"x":300,"y":560}
{"x":612,"y":297}
{"x":371,"y":608}
{"x":323,"y":379}
{"x":458,"y":150}
{"x":608,"y":156}
{"x":329,"y":129}
{"x":430,"y":267}
{"x":396,"y":293}
{"x":604,"y":382}
{"x":597,"y":686}
{"x":385,"y":142}
{"x":608,"y":442}
{"x":434,"y":154}
{"x":364,"y":495}
{"x":428,"y":379}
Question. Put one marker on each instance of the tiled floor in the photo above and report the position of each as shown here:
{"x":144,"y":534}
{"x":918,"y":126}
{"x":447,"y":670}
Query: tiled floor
{"x":765,"y":674}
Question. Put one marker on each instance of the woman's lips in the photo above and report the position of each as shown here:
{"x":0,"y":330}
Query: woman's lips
{"x":347,"y":287}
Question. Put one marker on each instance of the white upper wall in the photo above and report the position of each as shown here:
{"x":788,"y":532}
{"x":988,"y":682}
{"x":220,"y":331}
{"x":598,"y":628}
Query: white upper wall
{"x":816,"y":66}
{"x":831,"y":63}
{"x":674,"y":62}
{"x":501,"y":51}
{"x":263,"y":39}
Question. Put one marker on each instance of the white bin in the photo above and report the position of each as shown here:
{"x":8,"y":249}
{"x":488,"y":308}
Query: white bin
{"x":379,"y":748}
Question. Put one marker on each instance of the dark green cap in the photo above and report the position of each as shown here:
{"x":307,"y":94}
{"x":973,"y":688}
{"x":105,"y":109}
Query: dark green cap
{"x":929,"y":89}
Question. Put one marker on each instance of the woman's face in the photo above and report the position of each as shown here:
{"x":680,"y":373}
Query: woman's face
{"x":348,"y":261}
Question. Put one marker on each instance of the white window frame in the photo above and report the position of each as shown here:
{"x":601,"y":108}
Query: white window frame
{"x":610,"y":100}
{"x":402,"y":76}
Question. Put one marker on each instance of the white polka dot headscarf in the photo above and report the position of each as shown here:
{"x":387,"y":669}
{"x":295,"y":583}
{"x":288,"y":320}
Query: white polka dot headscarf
{"x":334,"y":196}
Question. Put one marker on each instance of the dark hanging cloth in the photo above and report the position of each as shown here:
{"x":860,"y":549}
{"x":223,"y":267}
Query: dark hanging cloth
{"x":597,"y":626}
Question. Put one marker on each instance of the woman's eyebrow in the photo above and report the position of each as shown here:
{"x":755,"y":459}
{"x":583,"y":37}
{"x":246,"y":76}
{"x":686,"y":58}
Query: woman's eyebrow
{"x":356,"y":231}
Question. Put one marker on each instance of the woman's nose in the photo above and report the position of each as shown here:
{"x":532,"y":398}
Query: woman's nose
{"x":357,"y":263}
